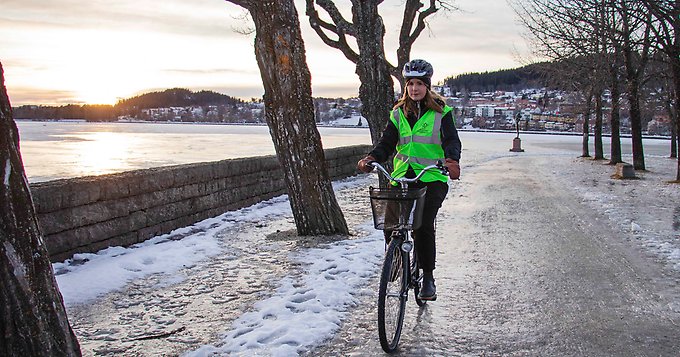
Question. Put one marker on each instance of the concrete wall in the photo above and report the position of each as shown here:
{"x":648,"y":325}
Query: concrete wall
{"x":87,"y":214}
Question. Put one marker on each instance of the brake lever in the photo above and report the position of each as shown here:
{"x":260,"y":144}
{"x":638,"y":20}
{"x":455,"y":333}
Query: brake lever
{"x":442,"y":168}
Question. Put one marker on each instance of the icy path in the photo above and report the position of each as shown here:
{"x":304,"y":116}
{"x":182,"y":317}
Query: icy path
{"x":181,"y":291}
{"x":242,"y":283}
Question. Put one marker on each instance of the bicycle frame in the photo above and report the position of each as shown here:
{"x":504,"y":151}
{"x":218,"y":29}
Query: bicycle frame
{"x":402,"y":241}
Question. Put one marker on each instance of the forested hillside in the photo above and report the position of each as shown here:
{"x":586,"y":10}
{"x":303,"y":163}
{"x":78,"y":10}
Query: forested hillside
{"x":530,"y":76}
{"x":176,"y":97}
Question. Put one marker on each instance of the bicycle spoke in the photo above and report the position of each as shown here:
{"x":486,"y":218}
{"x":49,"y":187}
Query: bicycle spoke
{"x":391,"y":297}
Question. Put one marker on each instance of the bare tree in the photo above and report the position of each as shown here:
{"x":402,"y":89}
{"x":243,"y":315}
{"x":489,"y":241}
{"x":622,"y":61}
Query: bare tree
{"x":665,"y":35}
{"x":568,"y":32}
{"x":368,"y":30}
{"x":636,"y":47}
{"x":585,"y":149}
{"x":289,"y":111}
{"x":32,"y":314}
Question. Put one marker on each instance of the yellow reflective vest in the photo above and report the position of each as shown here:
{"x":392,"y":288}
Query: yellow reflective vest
{"x":419,"y":146}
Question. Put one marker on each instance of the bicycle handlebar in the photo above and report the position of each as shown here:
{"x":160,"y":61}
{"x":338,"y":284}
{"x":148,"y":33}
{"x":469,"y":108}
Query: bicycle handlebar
{"x":403,"y":180}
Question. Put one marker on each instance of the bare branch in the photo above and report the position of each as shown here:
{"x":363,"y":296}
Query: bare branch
{"x":246,"y":4}
{"x":408,"y":33}
{"x":248,"y":28}
{"x":340,"y":27}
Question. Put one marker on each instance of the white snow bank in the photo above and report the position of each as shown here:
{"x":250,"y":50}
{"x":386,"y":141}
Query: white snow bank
{"x":308,"y":309}
{"x":88,"y":276}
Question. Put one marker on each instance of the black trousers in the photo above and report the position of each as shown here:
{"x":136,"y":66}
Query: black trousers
{"x":424,"y":237}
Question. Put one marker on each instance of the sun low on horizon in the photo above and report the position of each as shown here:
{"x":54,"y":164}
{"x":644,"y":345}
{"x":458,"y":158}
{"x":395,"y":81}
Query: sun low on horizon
{"x":58,"y":52}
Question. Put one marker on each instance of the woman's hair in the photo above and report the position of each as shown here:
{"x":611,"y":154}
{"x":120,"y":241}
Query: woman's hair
{"x":431,"y":100}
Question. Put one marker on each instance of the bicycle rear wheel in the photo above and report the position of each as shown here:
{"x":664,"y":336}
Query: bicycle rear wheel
{"x":392,"y":295}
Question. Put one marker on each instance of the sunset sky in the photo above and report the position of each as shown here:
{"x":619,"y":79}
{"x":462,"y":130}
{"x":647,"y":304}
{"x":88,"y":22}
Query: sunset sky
{"x":94,"y":51}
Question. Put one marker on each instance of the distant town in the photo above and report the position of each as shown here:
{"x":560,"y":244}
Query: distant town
{"x":532,"y":109}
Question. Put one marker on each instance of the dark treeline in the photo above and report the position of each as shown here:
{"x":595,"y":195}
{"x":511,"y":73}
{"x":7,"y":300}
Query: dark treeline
{"x":176,"y":97}
{"x":530,"y":76}
{"x":97,"y":112}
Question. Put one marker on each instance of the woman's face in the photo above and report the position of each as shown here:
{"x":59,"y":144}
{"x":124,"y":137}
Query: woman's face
{"x":416,"y":89}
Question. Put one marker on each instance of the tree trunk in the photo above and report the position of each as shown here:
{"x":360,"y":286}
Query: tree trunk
{"x":32,"y":314}
{"x":636,"y":123}
{"x":377,"y":88}
{"x":585,"y":152}
{"x":289,"y":112}
{"x":633,"y":90}
{"x":599,"y":152}
{"x":675,"y":69}
{"x":674,"y":56}
{"x":615,"y":120}
{"x":674,"y":143}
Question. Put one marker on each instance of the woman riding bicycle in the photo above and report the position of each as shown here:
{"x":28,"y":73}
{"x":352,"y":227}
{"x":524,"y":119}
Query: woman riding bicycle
{"x":422,"y":130}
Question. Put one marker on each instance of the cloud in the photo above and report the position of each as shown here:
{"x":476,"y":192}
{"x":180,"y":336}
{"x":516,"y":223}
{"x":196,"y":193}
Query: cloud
{"x":175,"y":17}
{"x":35,"y":96}
{"x":111,"y":49}
{"x":210,"y":71}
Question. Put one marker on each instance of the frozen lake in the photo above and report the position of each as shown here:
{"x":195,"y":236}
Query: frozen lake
{"x":53,"y":150}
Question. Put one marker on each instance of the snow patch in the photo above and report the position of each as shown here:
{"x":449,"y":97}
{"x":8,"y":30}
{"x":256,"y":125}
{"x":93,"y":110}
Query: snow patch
{"x":88,"y":276}
{"x":308,"y":309}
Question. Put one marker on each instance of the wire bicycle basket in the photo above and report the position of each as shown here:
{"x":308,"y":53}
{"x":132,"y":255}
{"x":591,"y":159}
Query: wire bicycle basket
{"x":395,"y":209}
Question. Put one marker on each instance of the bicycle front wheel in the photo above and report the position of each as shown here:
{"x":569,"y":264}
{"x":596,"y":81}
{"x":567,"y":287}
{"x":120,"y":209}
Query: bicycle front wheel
{"x":392,"y":295}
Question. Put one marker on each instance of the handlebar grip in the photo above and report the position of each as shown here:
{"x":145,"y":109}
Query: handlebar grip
{"x":442,"y":168}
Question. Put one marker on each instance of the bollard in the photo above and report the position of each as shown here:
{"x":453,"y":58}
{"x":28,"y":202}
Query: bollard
{"x":517,"y":145}
{"x":624,"y":171}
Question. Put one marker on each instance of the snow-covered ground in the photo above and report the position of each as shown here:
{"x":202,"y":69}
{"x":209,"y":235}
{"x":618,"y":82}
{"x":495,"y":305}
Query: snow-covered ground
{"x":320,"y":283}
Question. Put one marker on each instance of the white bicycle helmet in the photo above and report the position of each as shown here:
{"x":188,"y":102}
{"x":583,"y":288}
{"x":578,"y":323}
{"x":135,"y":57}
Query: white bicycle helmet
{"x":419,"y":69}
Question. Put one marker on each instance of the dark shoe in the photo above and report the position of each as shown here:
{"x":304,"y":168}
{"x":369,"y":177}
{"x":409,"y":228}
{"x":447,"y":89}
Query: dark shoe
{"x":428,"y":291}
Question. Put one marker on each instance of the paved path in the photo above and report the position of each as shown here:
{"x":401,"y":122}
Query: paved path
{"x":525,"y":268}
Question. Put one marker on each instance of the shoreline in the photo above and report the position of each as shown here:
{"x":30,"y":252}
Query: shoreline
{"x":326,"y":125}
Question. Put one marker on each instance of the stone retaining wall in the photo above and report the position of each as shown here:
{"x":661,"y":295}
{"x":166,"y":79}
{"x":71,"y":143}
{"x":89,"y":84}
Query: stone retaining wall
{"x":87,"y":214}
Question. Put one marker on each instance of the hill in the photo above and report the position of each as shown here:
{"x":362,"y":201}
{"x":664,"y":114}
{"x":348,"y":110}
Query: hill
{"x":530,"y":76}
{"x":175,"y":97}
{"x":132,"y":107}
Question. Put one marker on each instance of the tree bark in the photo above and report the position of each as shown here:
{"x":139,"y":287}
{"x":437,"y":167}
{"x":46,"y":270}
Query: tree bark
{"x":633,"y":89}
{"x":585,"y":152}
{"x":634,"y":61}
{"x":615,"y":120}
{"x":289,"y":111}
{"x":675,"y":69}
{"x":599,"y":152}
{"x":673,"y":49}
{"x":674,"y":143}
{"x":377,"y":88}
{"x":32,"y":314}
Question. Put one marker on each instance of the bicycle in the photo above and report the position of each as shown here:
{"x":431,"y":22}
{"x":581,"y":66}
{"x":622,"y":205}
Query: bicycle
{"x":398,"y":210}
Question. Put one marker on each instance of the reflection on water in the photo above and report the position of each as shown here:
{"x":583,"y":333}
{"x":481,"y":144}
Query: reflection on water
{"x":100,"y":152}
{"x":53,"y":150}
